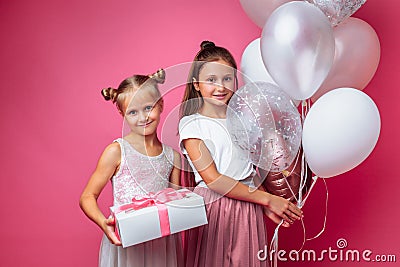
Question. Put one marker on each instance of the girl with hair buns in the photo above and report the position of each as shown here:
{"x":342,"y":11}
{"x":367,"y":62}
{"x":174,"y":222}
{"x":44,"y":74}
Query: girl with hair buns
{"x":235,"y":232}
{"x":136,"y":164}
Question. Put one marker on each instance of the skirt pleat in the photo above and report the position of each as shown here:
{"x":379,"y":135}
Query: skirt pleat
{"x":233,"y":236}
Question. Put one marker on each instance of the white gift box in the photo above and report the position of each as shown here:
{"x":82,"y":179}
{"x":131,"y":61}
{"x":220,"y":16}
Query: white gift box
{"x":137,"y":225}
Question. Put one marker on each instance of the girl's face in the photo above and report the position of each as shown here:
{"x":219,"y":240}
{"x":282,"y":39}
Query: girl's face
{"x":142,"y":112}
{"x":216,"y":82}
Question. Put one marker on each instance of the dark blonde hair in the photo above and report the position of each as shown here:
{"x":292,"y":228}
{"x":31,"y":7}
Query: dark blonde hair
{"x":131,"y":84}
{"x":192,"y":100}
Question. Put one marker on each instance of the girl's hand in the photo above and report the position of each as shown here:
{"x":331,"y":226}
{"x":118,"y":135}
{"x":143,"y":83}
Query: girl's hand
{"x":109,"y":230}
{"x":274,"y":217}
{"x":279,"y":208}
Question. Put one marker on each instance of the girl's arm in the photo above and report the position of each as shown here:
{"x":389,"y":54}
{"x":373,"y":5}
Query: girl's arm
{"x":259,"y":179}
{"x":202,"y":160}
{"x":106,"y":167}
{"x":175,"y":177}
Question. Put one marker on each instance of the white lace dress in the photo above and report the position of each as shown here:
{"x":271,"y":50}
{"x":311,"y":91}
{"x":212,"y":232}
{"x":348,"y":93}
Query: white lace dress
{"x":138,"y":175}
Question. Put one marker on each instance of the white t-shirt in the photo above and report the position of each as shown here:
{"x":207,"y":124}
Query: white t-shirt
{"x":216,"y":137}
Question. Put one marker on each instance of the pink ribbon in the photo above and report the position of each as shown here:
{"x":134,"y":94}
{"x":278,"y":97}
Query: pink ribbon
{"x":154,"y":199}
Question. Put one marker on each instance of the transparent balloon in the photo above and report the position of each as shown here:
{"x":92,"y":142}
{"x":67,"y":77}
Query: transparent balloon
{"x":265,"y":125}
{"x":249,"y":120}
{"x":338,"y":10}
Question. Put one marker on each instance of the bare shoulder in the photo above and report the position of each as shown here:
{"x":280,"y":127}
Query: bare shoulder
{"x":192,"y":140}
{"x":113,"y":148}
{"x":112,"y":152}
{"x":192,"y":143}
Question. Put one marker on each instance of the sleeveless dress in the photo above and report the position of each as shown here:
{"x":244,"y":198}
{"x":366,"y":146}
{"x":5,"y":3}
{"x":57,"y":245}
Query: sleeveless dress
{"x":137,"y":176}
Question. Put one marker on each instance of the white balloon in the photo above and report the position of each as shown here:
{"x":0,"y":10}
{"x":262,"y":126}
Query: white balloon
{"x":252,"y":66}
{"x":340,"y":131}
{"x":297,"y":48}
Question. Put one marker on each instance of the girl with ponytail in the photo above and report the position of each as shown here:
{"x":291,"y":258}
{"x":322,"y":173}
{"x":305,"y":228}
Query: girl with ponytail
{"x":235,"y":232}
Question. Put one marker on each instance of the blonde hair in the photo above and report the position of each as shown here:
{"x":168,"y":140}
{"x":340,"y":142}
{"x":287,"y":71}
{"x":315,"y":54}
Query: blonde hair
{"x":192,"y":100}
{"x":131,"y":84}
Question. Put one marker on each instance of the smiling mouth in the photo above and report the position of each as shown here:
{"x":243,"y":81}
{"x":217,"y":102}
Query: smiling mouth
{"x":146,"y":124}
{"x":220,"y":95}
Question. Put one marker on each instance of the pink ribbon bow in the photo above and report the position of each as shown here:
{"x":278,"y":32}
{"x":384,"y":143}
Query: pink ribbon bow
{"x":154,"y":199}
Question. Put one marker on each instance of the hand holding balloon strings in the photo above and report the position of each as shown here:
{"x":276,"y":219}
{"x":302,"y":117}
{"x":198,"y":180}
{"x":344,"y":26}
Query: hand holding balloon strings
{"x":309,"y":51}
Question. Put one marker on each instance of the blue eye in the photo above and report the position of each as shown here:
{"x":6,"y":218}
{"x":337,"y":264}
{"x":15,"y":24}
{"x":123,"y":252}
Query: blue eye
{"x":228,"y":79}
{"x":132,"y":112}
{"x":148,"y":108}
{"x":211,"y":80}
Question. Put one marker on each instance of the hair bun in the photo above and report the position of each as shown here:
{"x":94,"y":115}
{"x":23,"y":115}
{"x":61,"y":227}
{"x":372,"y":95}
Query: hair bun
{"x":206,"y":44}
{"x":109,"y":94}
{"x":158,"y":76}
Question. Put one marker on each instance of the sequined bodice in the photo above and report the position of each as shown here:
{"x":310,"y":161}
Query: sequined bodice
{"x":140,"y":174}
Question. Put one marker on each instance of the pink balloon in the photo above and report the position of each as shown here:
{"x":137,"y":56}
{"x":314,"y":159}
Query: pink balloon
{"x":260,"y":10}
{"x":357,"y":54}
{"x":286,"y":184}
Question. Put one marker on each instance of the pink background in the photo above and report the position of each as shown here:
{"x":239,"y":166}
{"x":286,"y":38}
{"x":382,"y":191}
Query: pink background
{"x":57,"y":55}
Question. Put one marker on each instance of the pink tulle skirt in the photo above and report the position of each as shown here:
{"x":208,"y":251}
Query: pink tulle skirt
{"x":235,"y":233}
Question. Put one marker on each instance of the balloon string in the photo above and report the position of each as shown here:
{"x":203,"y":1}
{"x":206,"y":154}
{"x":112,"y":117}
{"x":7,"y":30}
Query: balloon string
{"x":304,"y":236}
{"x":274,"y":241}
{"x":300,"y":202}
{"x":315,"y":179}
{"x":291,"y":190}
{"x":305,"y":106}
{"x":326,"y":212}
{"x":288,"y":173}
{"x":303,"y":178}
{"x":303,"y":174}
{"x":304,"y":165}
{"x":303,"y":181}
{"x":274,"y":246}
